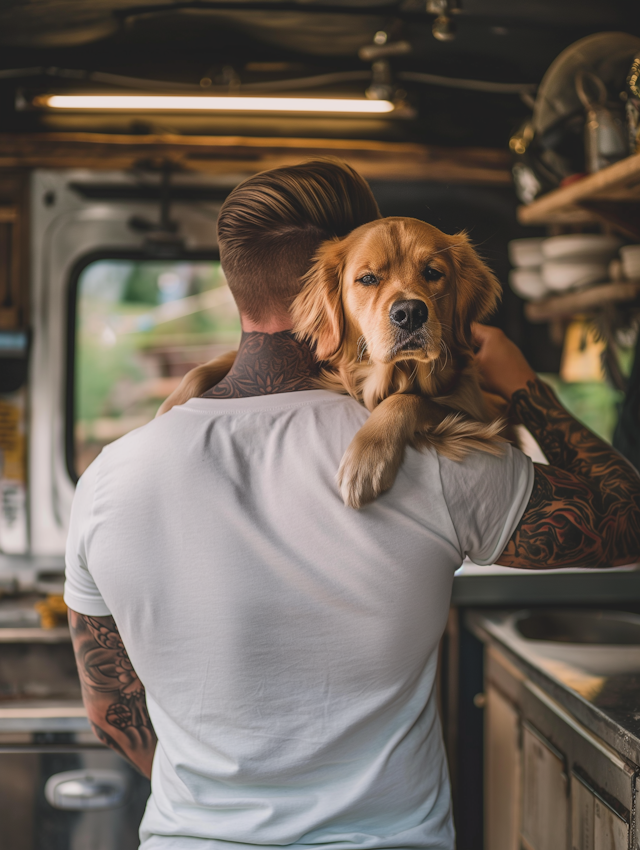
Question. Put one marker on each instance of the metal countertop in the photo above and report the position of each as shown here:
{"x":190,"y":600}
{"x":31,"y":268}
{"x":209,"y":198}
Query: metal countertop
{"x":607,"y":705}
{"x":494,"y":586}
{"x":53,"y":716}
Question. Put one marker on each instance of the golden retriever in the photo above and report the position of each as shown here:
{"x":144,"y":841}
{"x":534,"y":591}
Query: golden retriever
{"x":389,"y":309}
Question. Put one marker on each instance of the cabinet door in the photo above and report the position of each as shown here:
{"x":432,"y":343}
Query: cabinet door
{"x":30,"y":819}
{"x":582,"y":815}
{"x":502,"y":773}
{"x":545,"y":806}
{"x":610,"y":831}
{"x":594,"y":825}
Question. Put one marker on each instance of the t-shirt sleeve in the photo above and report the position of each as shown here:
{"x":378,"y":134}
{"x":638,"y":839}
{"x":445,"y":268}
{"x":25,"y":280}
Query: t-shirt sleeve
{"x":80,"y":591}
{"x":486,"y":496}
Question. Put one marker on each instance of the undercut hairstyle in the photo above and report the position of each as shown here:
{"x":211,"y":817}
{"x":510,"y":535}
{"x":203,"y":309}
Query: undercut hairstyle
{"x":272,"y":224}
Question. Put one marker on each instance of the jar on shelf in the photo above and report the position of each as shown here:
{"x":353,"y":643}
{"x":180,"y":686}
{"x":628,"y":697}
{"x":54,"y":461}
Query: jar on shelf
{"x":632,"y":106}
{"x":604,"y":132}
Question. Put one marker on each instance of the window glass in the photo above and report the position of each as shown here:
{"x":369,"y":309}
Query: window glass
{"x":594,"y":403}
{"x":590,"y":372}
{"x":140,"y":326}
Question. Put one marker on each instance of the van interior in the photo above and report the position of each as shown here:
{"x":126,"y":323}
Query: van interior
{"x":123,"y":128}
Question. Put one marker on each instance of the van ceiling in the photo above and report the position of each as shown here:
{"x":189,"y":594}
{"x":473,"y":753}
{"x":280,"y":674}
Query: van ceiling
{"x":250,"y":42}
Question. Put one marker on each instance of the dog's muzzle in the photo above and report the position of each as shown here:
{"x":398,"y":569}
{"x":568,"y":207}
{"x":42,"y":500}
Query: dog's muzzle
{"x":409,"y":318}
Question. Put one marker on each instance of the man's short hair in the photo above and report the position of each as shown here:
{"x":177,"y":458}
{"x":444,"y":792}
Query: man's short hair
{"x":271,"y":225}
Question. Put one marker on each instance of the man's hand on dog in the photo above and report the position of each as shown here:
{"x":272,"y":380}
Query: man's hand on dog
{"x":503,"y":368}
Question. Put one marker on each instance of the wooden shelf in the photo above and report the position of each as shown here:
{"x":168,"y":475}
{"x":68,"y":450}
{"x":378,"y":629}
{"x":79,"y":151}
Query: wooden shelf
{"x":611,"y":195}
{"x":248,"y":155}
{"x":572,"y":303}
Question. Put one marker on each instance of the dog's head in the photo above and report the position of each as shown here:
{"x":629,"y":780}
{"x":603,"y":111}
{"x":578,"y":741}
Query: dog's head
{"x":394,"y":289}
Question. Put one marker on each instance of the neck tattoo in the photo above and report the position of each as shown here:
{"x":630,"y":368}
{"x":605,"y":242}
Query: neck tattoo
{"x":268,"y":364}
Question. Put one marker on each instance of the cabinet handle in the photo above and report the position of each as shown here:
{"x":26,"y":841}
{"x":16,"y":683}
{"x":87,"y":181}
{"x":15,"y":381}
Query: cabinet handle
{"x":86,"y":790}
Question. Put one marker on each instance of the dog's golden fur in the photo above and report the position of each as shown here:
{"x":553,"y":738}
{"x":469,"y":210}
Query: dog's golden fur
{"x":421,"y":388}
{"x":420,"y":384}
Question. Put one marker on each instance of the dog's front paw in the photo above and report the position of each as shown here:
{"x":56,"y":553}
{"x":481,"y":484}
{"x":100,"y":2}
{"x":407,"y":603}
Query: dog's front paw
{"x":368,"y":468}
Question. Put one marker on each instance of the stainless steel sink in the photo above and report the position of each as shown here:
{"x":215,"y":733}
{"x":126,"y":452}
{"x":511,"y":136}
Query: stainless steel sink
{"x":612,"y":628}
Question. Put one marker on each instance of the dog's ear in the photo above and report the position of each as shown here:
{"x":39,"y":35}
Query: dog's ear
{"x":317,"y":310}
{"x":477,"y":289}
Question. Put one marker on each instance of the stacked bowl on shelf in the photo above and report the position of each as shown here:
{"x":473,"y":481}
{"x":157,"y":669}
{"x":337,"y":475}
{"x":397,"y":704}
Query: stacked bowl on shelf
{"x":526,"y":278}
{"x":577,"y":260}
{"x":559,"y":263}
{"x":630,"y":257}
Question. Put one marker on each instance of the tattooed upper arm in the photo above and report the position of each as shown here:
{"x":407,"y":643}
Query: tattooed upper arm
{"x":571,"y":522}
{"x":113,"y":694}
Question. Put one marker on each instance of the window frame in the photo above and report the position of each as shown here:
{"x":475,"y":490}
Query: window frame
{"x":136,"y":254}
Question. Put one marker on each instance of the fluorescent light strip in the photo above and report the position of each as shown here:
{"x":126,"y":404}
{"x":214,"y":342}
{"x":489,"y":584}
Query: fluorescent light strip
{"x":197,"y":103}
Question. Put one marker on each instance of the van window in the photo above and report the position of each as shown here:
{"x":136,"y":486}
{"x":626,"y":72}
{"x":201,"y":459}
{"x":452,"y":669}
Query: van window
{"x":140,"y":325}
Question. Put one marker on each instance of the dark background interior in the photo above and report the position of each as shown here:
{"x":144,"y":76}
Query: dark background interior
{"x":54,"y":45}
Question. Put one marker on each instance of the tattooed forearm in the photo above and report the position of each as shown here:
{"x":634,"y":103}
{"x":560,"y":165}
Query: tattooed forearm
{"x":113,"y":694}
{"x":584,"y":510}
{"x":565,"y":441}
{"x":266,"y":364}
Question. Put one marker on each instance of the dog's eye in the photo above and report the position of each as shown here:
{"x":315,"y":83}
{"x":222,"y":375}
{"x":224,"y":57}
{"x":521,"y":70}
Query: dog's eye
{"x":368,"y":280}
{"x":432,"y":274}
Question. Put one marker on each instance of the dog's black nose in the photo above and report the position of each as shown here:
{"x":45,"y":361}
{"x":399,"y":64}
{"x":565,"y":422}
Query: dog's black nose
{"x":409,"y":315}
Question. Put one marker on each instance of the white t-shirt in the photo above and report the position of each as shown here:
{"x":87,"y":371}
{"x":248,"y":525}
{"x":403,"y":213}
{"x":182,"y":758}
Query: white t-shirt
{"x":287,"y":644}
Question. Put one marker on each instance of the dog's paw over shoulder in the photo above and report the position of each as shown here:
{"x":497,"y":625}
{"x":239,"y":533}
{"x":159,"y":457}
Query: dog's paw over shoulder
{"x":368,"y":468}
